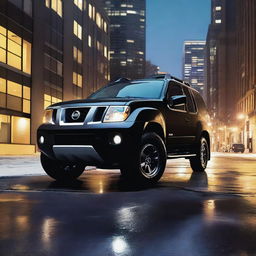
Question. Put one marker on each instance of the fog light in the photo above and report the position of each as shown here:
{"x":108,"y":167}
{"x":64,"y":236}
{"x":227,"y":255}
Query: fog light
{"x":41,"y":140}
{"x":117,"y":139}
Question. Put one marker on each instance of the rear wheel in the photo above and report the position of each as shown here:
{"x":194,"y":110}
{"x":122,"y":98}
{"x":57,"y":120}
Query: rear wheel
{"x":59,"y":170}
{"x":199,"y":162}
{"x":147,"y":164}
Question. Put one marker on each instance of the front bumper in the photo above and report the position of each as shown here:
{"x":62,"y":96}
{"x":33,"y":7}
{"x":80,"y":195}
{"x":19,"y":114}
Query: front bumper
{"x":92,"y":145}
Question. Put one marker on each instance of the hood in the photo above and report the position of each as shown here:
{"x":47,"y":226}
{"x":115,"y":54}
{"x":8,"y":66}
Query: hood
{"x":102,"y":102}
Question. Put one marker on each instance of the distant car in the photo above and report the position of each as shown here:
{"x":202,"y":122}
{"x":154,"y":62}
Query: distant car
{"x":238,"y":148}
{"x":134,"y":126}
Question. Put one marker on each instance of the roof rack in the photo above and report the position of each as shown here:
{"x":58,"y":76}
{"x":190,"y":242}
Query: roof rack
{"x":161,"y":76}
{"x":168,"y":76}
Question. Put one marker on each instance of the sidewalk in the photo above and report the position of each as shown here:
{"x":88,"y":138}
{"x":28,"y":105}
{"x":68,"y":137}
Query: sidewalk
{"x":22,"y":166}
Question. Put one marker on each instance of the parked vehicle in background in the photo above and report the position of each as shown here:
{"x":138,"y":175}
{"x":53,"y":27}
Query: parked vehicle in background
{"x":134,"y":126}
{"x":238,"y":148}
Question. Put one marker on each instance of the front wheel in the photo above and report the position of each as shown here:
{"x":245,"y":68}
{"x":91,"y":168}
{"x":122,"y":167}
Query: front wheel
{"x":199,"y":162}
{"x":61,"y":171}
{"x":147,"y":164}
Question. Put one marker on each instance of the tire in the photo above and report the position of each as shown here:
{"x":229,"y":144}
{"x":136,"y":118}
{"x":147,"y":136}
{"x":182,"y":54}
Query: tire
{"x":59,"y":170}
{"x":146,"y":165}
{"x":199,"y":162}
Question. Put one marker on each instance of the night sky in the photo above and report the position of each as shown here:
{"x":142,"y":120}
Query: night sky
{"x":169,"y":23}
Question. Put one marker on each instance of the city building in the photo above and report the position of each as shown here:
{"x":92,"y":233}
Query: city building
{"x":127,"y":37}
{"x":231,"y":77}
{"x":50,"y":51}
{"x":194,"y":63}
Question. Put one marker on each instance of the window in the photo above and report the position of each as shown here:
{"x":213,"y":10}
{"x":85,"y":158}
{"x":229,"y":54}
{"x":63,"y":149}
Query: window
{"x":14,"y":89}
{"x":17,"y":51}
{"x":20,"y":132}
{"x":28,"y":7}
{"x":98,"y":20}
{"x":77,"y":54}
{"x":26,"y":57}
{"x":2,"y":85}
{"x":90,"y":11}
{"x":55,"y":5}
{"x":77,"y":29}
{"x":77,"y":79}
{"x":89,"y":41}
{"x":49,"y":100}
{"x":79,"y":4}
{"x":190,"y":103}
{"x":5,"y":129}
{"x":175,"y":90}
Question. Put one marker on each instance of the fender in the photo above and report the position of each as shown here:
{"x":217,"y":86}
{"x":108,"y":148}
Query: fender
{"x":149,"y":116}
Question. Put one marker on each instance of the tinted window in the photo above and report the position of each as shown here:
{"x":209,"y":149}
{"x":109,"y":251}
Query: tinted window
{"x":145,"y":89}
{"x":174,"y":90}
{"x":190,"y":103}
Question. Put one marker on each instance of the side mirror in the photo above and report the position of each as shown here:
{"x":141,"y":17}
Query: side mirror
{"x":178,"y":100}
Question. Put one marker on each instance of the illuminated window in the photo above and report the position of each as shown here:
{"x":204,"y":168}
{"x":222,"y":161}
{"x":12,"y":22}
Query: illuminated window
{"x":130,"y":41}
{"x":26,"y":57}
{"x":217,"y":21}
{"x":55,"y":5}
{"x":3,"y":41}
{"x":89,"y":41}
{"x":105,"y":51}
{"x":105,"y":27}
{"x":77,"y":29}
{"x":79,"y":4}
{"x":49,"y":100}
{"x":26,"y":106}
{"x":77,"y":79}
{"x":218,"y":8}
{"x":14,"y":89}
{"x":26,"y":92}
{"x":20,"y":132}
{"x":90,"y":11}
{"x":2,"y":85}
{"x":2,"y":55}
{"x":5,"y":129}
{"x":13,"y":60}
{"x":77,"y":54}
{"x":47,"y":3}
{"x":98,"y":20}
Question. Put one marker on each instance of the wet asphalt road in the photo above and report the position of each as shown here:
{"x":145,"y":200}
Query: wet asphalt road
{"x":186,"y":214}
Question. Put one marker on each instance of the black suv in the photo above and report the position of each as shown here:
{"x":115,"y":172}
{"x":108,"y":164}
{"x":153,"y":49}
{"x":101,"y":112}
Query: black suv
{"x":134,"y":126}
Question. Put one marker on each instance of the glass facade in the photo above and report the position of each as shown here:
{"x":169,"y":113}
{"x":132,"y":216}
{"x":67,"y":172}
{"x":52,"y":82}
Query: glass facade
{"x":194,"y":64}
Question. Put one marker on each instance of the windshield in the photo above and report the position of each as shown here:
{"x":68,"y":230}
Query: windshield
{"x":145,"y":89}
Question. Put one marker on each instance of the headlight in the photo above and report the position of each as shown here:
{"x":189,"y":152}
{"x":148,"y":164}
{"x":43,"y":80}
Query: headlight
{"x":117,"y":114}
{"x":47,"y":119}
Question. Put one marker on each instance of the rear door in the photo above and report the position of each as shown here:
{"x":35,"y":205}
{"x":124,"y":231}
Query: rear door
{"x":190,"y":118}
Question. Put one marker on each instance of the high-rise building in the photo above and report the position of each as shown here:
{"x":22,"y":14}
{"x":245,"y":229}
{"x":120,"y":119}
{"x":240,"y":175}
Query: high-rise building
{"x":221,"y":60}
{"x":50,"y":51}
{"x":127,"y":37}
{"x":194,"y":63}
{"x":231,"y":65}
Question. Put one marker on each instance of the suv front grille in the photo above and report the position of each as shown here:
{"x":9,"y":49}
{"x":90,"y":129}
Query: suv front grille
{"x":75,"y":115}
